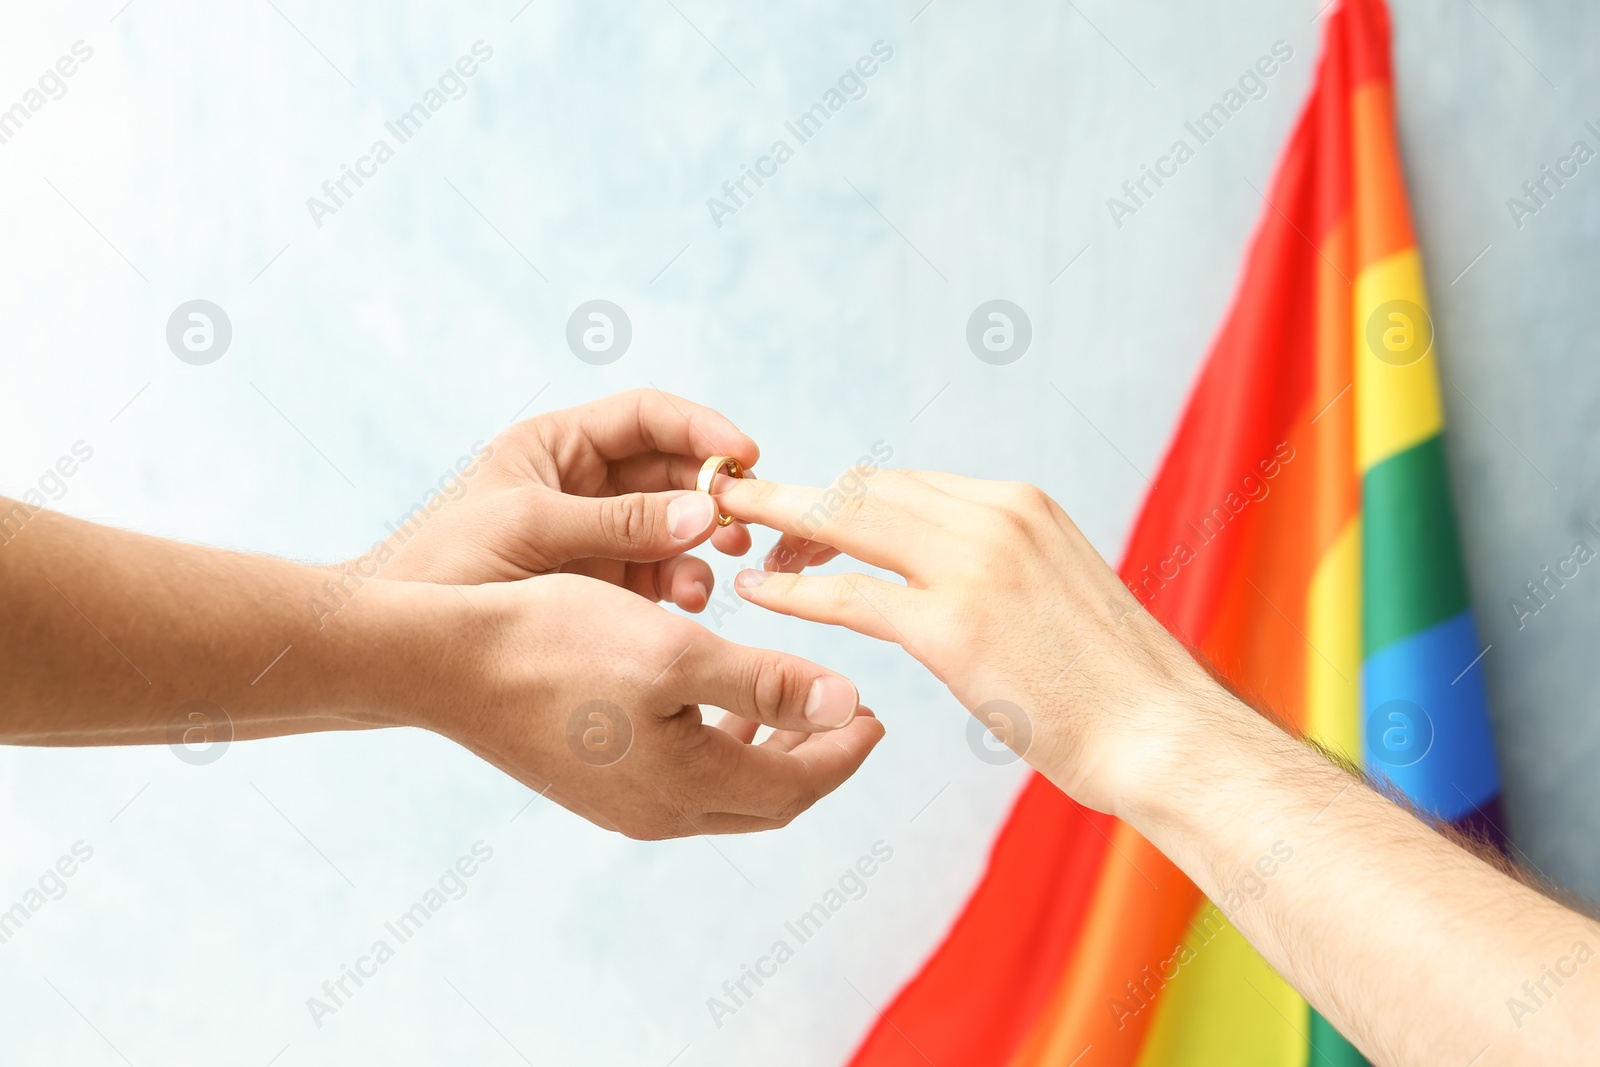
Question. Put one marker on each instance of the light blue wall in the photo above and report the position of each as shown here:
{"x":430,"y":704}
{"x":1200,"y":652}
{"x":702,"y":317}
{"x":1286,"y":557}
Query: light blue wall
{"x":827,"y":314}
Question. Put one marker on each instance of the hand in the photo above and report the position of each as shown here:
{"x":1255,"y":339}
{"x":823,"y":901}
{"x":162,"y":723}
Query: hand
{"x":604,"y":490}
{"x":1005,"y":601}
{"x":593,"y":697}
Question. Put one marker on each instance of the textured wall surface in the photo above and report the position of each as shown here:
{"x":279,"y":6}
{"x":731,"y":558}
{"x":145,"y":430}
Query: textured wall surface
{"x":373,"y":345}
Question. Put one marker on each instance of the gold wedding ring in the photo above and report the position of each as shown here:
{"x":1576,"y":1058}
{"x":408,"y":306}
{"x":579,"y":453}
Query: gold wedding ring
{"x":708,"y":473}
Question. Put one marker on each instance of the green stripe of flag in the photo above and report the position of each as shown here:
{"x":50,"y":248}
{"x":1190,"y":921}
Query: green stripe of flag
{"x":1328,"y":1046}
{"x":1411,"y":571}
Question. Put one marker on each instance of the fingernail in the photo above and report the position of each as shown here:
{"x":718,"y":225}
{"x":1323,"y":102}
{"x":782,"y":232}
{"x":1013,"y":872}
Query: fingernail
{"x":831,"y":702}
{"x":749,"y":579}
{"x":705,"y":594}
{"x":689,"y":515}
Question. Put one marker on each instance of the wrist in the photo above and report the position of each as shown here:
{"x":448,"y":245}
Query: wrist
{"x":386,"y":559}
{"x":1152,"y":728}
{"x":1201,"y":744}
{"x":412,"y":651}
{"x":1128,"y":724}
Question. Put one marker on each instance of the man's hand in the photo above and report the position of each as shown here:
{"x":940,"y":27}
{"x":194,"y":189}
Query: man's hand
{"x":593,"y":697}
{"x":604,"y":490}
{"x":1005,"y":601}
{"x":1408,"y":943}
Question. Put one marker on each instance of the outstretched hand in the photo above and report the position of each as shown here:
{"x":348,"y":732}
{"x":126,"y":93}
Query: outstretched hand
{"x":1004,"y":600}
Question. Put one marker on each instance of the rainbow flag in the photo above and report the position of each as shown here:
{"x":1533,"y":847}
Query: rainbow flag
{"x":1300,"y":535}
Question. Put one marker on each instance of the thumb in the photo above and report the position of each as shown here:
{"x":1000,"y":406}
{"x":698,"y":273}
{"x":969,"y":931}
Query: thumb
{"x":773,"y":688}
{"x":639,"y":527}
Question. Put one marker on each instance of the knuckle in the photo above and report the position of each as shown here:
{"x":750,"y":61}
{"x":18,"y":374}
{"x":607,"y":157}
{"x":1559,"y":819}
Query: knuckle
{"x":796,"y":804}
{"x":628,"y":519}
{"x":1004,"y":525}
{"x":1027,"y":499}
{"x":840,"y":595}
{"x":773,"y":685}
{"x":664,"y":647}
{"x":848,"y":510}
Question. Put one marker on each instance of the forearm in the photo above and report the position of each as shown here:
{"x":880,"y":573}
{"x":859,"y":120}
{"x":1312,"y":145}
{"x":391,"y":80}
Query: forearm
{"x":107,"y":634}
{"x":1412,"y":946}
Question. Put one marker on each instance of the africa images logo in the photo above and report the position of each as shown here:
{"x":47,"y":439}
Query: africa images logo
{"x":852,"y":85}
{"x":451,"y":85}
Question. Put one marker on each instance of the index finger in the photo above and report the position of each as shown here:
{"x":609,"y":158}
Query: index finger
{"x":883,"y":533}
{"x":649,"y":420}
